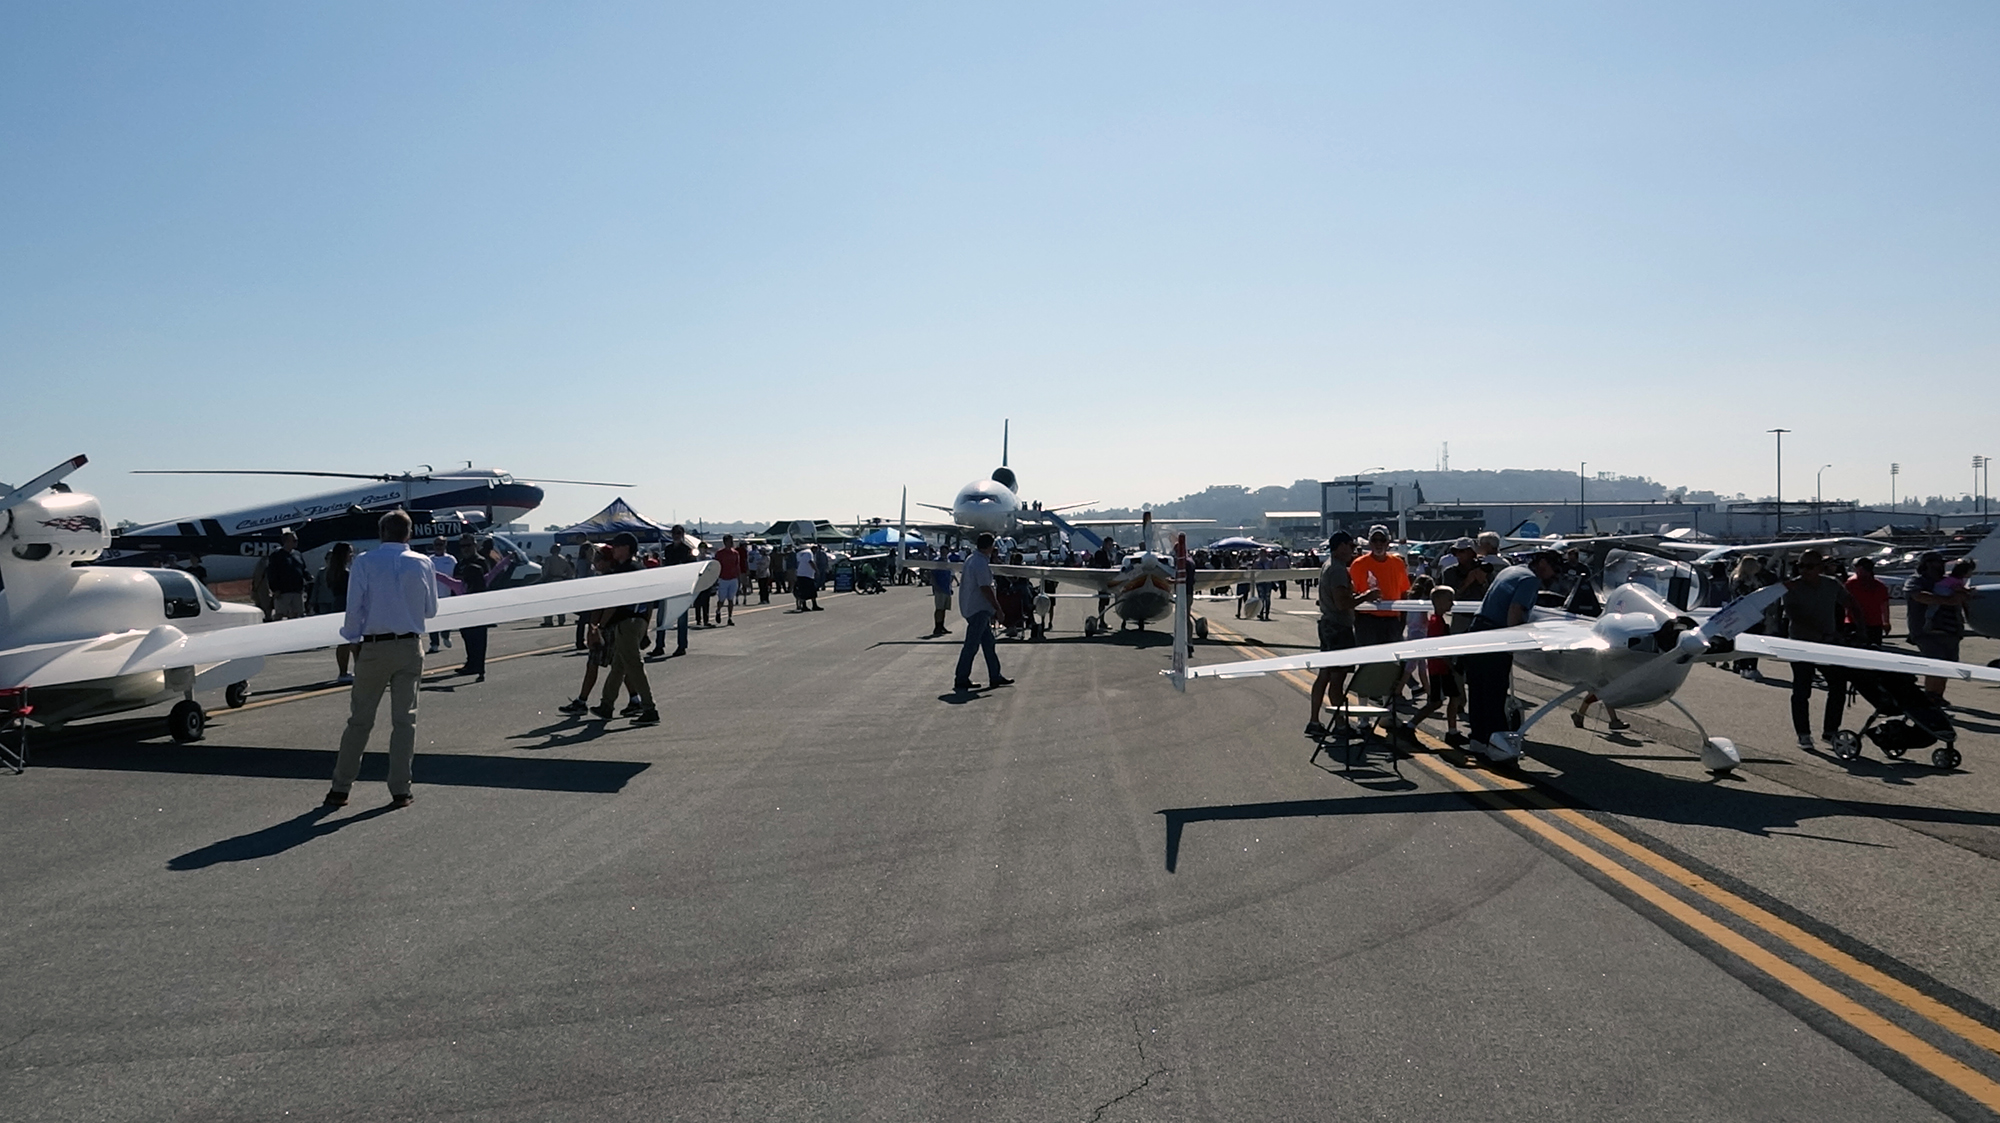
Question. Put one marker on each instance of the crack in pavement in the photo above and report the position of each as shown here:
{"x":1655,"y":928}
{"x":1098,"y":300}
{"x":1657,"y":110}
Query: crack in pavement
{"x":1138,"y":1042}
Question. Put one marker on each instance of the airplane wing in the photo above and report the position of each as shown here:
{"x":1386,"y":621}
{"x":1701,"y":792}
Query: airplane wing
{"x":167,"y":647}
{"x":1863,"y":658}
{"x":1528,"y":637}
{"x":1836,"y":548}
{"x":1072,"y":575}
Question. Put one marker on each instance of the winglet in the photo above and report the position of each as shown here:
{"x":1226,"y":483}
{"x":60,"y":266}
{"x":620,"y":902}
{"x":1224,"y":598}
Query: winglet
{"x":41,"y":483}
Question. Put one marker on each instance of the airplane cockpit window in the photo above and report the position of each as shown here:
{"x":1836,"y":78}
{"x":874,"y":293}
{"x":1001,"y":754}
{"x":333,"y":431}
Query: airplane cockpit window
{"x":177,"y":593}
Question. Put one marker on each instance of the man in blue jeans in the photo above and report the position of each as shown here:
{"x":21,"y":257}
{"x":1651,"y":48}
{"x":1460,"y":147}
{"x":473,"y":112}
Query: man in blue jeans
{"x":978,"y":603}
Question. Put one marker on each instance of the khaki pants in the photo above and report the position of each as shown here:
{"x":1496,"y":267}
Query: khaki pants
{"x":628,"y":660}
{"x":394,"y":665}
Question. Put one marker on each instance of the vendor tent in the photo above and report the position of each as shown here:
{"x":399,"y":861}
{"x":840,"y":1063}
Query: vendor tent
{"x":890,"y":536}
{"x":617,"y":517}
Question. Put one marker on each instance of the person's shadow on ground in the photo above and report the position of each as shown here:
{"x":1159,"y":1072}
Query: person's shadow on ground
{"x":274,"y":839}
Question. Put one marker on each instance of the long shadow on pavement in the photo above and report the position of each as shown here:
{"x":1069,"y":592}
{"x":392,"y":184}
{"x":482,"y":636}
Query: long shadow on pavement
{"x":274,"y":839}
{"x":447,"y":769}
{"x":1621,"y":790}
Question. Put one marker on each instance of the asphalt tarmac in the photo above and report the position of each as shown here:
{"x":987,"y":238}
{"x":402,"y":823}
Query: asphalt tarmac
{"x":827,"y":888}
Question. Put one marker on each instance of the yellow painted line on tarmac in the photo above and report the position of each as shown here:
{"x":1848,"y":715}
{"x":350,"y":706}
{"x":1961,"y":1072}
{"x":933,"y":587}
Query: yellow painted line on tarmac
{"x":1920,"y":1052}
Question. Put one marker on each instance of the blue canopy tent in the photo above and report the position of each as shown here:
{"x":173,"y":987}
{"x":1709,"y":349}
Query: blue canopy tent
{"x":617,"y":517}
{"x":890,"y":536}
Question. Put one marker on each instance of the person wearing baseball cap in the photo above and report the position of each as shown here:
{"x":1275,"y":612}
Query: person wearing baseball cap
{"x":623,"y":630}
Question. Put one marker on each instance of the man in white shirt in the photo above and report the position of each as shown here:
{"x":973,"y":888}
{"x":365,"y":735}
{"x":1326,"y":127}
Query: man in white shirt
{"x":802,"y":584}
{"x":391,"y":594}
{"x":444,"y":565}
{"x":978,"y":602}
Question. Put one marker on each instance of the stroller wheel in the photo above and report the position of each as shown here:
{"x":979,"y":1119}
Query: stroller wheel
{"x":1847,"y":744}
{"x":1945,"y":757}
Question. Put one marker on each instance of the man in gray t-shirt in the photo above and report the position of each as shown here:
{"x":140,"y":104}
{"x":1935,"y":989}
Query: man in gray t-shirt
{"x":978,"y":602}
{"x":1336,"y":623}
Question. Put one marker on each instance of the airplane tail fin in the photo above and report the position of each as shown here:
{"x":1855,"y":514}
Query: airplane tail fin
{"x":1986,"y":555}
{"x":1183,"y":575}
{"x":1732,"y":619}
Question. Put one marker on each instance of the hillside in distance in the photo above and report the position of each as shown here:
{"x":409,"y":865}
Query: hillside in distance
{"x":1237,"y":505}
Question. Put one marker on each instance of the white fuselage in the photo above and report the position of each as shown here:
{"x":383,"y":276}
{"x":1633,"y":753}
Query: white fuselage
{"x":53,"y":612}
{"x":987,"y":505}
{"x":1622,"y":662}
{"x":1143,"y":590}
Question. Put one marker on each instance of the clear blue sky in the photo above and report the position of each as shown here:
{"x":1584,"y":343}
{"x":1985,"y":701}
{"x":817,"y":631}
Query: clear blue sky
{"x":778,"y":261}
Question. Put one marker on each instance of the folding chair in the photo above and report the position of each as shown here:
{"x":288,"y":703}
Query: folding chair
{"x":14,"y":711}
{"x":1375,"y":684}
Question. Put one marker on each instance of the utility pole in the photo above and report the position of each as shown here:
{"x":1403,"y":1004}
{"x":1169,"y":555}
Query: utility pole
{"x":1819,"y":495}
{"x":1780,"y":496}
{"x":1582,"y":527}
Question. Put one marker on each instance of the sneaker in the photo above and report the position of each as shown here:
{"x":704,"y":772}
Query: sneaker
{"x":574,"y":706}
{"x":964,"y":685}
{"x":647,"y":716}
{"x":1001,"y":680}
{"x":1454,"y":738}
{"x":1315,"y":729}
{"x":400,"y":801}
{"x":633,"y":709}
{"x":344,"y":680}
{"x":603,"y":712}
{"x":1805,"y":741}
{"x":1618,"y":724}
{"x":335,"y":799}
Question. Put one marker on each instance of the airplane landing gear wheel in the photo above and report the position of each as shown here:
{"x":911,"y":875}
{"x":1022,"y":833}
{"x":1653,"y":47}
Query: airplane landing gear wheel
{"x":1945,"y":757}
{"x":1201,"y":627}
{"x":186,"y":721}
{"x":1090,"y":625}
{"x":1847,"y":745}
{"x":235,"y":694}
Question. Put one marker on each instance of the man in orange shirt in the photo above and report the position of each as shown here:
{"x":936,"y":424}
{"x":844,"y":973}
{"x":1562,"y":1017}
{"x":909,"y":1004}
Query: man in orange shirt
{"x":1386,"y":574}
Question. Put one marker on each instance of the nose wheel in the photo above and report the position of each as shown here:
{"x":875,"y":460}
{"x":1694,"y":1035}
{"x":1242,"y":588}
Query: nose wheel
{"x":235,"y":694}
{"x":186,"y":721}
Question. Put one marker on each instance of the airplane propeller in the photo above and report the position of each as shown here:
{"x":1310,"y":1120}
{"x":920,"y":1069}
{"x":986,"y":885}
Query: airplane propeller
{"x":41,"y":483}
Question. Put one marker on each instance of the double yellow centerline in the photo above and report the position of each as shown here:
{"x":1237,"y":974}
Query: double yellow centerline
{"x":1505,"y":794}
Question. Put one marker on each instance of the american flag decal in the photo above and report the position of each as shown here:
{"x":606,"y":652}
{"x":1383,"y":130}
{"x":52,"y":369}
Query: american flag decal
{"x":76,"y":523}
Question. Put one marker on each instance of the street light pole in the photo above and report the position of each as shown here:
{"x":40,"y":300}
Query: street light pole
{"x":1780,"y":496}
{"x":1894,"y":471}
{"x":1819,"y":495}
{"x":1581,"y":526}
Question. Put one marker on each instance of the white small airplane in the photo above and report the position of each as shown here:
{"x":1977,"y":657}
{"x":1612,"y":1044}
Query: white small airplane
{"x":230,"y":542}
{"x":1637,"y":654}
{"x":88,"y":640}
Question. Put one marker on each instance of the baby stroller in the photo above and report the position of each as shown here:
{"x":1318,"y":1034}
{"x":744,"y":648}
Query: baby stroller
{"x":1904,"y":717}
{"x":1017,"y":607}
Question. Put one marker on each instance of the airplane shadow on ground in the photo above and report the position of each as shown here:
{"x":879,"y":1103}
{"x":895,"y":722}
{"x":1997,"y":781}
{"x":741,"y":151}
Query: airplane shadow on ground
{"x":603,"y":777}
{"x":1615,"y":789}
{"x":272,"y":840}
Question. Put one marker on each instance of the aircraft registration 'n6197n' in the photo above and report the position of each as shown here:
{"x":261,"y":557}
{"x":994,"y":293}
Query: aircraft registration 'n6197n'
{"x":85,"y":640}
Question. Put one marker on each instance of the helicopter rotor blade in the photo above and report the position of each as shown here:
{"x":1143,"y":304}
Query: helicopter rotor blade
{"x":258,"y":472}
